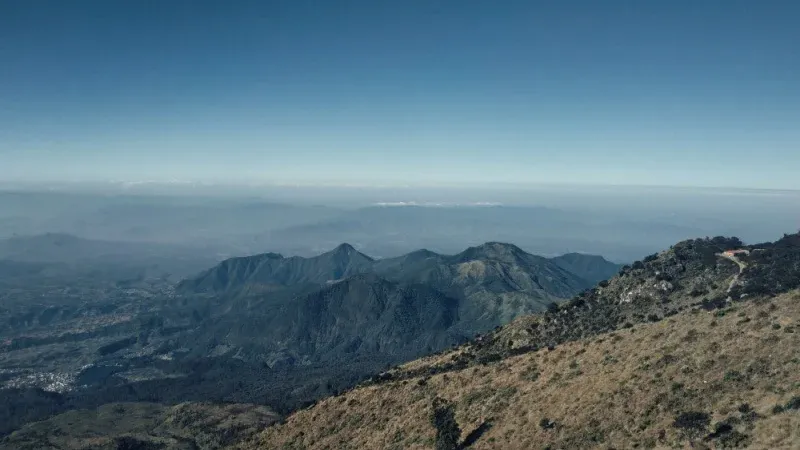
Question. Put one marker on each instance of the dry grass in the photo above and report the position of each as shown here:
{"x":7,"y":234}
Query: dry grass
{"x":616,"y":390}
{"x":187,"y":425}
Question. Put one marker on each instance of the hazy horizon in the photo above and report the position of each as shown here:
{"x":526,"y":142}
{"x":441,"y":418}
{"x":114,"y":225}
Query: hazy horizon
{"x":620,"y":223}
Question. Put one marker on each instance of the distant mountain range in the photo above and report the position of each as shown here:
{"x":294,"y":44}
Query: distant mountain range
{"x":556,"y":276}
{"x":289,"y":310}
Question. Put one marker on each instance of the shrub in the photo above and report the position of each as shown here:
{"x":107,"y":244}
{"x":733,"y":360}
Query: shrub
{"x":727,"y":436}
{"x":734,"y":439}
{"x":443,"y":418}
{"x":710,"y":304}
{"x":530,"y":374}
{"x":745,"y":408}
{"x":692,"y":421}
{"x":733,"y":375}
{"x":697,"y":292}
{"x":661,"y":276}
{"x":720,"y":429}
{"x":793,"y":403}
{"x":546,"y":424}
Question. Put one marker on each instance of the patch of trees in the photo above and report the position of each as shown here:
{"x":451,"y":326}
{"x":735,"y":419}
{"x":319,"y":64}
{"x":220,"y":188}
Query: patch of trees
{"x":443,"y":418}
{"x":773,"y":268}
{"x":705,"y":250}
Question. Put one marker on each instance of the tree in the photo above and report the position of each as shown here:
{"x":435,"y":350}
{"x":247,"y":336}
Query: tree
{"x":443,"y":419}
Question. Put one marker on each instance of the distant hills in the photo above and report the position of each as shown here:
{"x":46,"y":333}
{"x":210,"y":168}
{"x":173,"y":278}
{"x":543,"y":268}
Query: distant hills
{"x":608,"y":222}
{"x":343,"y":303}
{"x":592,"y":268}
{"x":558,"y":276}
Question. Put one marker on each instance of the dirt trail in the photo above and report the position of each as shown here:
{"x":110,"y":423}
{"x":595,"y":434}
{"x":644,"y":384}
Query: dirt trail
{"x":742,"y":265}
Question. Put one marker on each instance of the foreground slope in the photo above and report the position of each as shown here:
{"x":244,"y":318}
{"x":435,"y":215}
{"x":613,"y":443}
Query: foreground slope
{"x":721,"y":379}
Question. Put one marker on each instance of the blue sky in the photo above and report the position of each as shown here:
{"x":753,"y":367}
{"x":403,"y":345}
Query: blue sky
{"x":686,"y":93}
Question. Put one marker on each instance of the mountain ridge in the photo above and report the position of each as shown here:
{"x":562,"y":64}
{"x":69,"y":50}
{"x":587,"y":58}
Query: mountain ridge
{"x":266,"y":299}
{"x":493,"y":283}
{"x":275,"y":269}
{"x":345,"y":260}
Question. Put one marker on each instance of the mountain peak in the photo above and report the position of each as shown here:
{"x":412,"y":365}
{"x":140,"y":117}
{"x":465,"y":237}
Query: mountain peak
{"x":493,"y":250}
{"x":499,"y":246}
{"x":422,"y":253}
{"x":346,"y":250}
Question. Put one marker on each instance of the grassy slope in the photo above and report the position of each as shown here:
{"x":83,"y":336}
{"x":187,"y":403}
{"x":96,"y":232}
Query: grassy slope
{"x":617,"y":390}
{"x":148,"y":425}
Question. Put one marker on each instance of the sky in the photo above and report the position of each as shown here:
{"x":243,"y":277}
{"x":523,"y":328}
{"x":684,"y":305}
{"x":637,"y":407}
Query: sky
{"x":405,"y":93}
